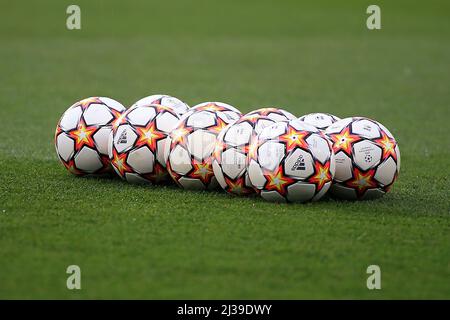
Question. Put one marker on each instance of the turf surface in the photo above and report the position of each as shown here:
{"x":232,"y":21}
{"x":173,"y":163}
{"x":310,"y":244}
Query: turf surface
{"x":163,"y":242}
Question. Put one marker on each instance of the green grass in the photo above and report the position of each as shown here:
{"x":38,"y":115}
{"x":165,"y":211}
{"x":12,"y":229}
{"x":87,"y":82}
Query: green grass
{"x":162,"y":242}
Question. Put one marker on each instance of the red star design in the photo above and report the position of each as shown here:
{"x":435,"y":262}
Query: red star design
{"x":387,"y":145}
{"x":202,"y":170}
{"x":83,"y":136}
{"x":218,"y":149}
{"x":344,"y":141}
{"x":158,"y":175}
{"x":87,"y":102}
{"x":362,"y":181}
{"x":70,"y":165}
{"x":238,"y":186}
{"x":322,"y":175}
{"x":119,"y":161}
{"x":277,"y":181}
{"x":149,"y":136}
{"x":252,"y":148}
{"x":294,"y":138}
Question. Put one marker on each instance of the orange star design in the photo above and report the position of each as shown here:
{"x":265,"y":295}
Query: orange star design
{"x":218,"y":127}
{"x":322,"y":175}
{"x":218,"y":149}
{"x":277,"y":181}
{"x":119,"y":162}
{"x":160,"y":108}
{"x":237,"y":186}
{"x":83,"y":136}
{"x":344,"y":141}
{"x":179,"y":135}
{"x":265,"y":111}
{"x":119,"y":118}
{"x":203,"y":171}
{"x":362,"y":181}
{"x":211,"y":107}
{"x":388,"y":146}
{"x":149,"y":136}
{"x":252,"y":148}
{"x":87,"y":102}
{"x":294,"y":138}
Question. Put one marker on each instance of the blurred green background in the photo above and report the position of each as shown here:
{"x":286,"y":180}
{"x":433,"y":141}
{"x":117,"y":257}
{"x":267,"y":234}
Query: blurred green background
{"x":144,"y":242}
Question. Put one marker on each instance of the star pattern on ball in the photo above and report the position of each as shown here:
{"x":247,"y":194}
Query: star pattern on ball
{"x":321,"y":176}
{"x":238,"y":186}
{"x":387,"y":145}
{"x":119,"y":161}
{"x":362,"y":181}
{"x":294,"y":138}
{"x":83,"y":135}
{"x":344,"y":141}
{"x":179,"y":135}
{"x":149,"y":135}
{"x":85,"y":103}
{"x":220,"y":125}
{"x":211,"y":107}
{"x":70,"y":166}
{"x":277,"y":181}
{"x":202,"y":171}
{"x":119,"y":118}
{"x":252,"y":148}
{"x":218,"y":149}
{"x":158,"y":175}
{"x":266,"y":111}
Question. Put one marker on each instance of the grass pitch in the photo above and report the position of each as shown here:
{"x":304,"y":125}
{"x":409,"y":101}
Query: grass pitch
{"x":162,"y":242}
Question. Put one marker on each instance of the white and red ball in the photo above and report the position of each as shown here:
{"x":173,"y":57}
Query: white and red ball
{"x":367,"y":158}
{"x":190,"y":146}
{"x":81,"y":137}
{"x":231,"y":151}
{"x":176,"y":104}
{"x":137,"y":142}
{"x":291,"y":162}
{"x":319,"y":120}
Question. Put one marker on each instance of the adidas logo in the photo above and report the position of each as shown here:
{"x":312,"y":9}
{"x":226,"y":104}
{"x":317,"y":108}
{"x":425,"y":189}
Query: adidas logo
{"x":123,"y":137}
{"x":299,"y":164}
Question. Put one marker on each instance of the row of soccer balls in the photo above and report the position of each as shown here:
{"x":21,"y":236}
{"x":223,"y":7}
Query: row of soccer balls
{"x":268,"y":151}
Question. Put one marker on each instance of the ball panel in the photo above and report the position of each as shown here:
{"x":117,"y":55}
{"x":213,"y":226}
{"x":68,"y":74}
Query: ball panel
{"x":366,"y":154}
{"x":124,"y":138}
{"x":256,"y":175}
{"x":301,"y":192}
{"x":180,"y":160}
{"x":88,"y":160}
{"x":319,"y":147}
{"x":366,"y":129}
{"x":299,"y":164}
{"x":270,"y":155}
{"x":191,"y":184}
{"x":141,"y":160}
{"x":101,"y":138}
{"x":166,"y":121}
{"x":65,"y":146}
{"x":238,"y":134}
{"x":322,"y":191}
{"x":272,"y":196}
{"x":140,"y":116}
{"x":201,"y":144}
{"x":116,"y":105}
{"x":343,"y":192}
{"x":385,"y":173}
{"x":70,"y":118}
{"x":233,"y":163}
{"x":219,"y":175}
{"x":97,"y":114}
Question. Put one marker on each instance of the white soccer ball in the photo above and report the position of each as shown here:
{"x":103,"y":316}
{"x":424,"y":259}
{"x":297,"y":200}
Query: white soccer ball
{"x":81,"y":137}
{"x":291,"y":162}
{"x":367,"y":158}
{"x":189,"y":147}
{"x":231,"y":151}
{"x":319,"y":120}
{"x":273,"y":113}
{"x":137,"y":142}
{"x":176,"y":104}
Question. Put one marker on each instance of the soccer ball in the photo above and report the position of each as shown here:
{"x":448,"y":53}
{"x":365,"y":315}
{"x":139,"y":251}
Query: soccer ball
{"x":367,"y":158}
{"x":275,"y":114}
{"x":291,"y":162}
{"x":164,"y":100}
{"x":189,"y":147}
{"x":81,"y":137}
{"x":230,"y":154}
{"x":137,"y":142}
{"x":319,"y":120}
